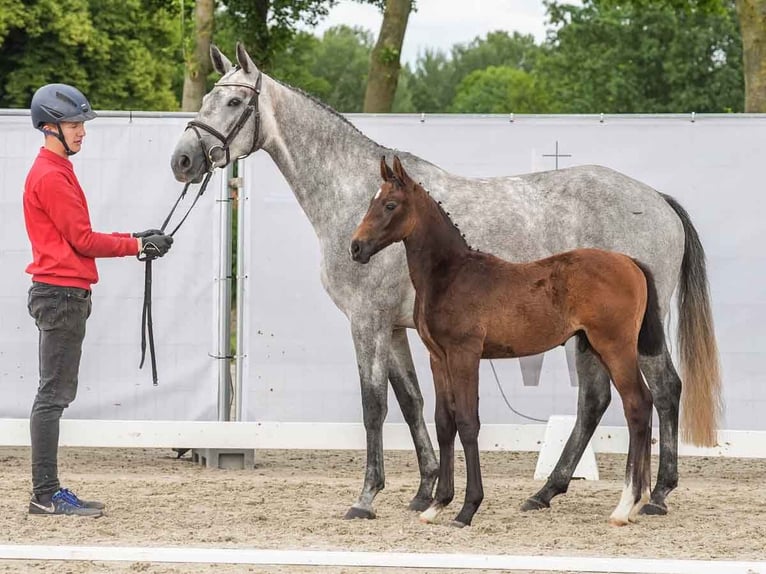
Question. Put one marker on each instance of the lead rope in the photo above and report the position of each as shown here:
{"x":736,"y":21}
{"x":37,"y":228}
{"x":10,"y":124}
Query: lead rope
{"x":147,"y":325}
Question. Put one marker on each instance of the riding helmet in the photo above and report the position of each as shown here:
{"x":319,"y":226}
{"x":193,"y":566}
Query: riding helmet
{"x":56,"y":103}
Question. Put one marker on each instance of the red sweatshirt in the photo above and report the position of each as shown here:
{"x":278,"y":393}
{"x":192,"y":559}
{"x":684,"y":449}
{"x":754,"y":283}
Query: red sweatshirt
{"x":64,"y":246}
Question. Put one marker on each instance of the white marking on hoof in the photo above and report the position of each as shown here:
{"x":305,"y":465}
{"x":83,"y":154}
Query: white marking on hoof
{"x":621,"y":515}
{"x":617,"y":522}
{"x":430,"y":513}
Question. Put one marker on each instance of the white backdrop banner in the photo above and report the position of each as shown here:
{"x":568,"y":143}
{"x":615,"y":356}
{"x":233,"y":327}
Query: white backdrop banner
{"x":300,"y":363}
{"x":125,"y":172}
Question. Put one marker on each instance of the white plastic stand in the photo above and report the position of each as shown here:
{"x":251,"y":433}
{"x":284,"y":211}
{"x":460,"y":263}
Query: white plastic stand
{"x":556,"y":435}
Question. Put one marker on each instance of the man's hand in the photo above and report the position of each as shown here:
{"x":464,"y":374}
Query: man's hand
{"x":148,"y":232}
{"x":154,"y":246}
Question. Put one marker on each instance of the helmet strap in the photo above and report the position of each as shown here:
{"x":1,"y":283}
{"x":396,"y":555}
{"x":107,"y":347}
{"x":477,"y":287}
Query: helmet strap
{"x":59,"y":135}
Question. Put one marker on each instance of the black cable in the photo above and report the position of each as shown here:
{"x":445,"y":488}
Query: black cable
{"x":522,"y":415}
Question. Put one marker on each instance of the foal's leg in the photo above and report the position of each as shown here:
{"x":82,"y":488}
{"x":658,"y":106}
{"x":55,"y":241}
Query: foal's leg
{"x":594,"y":395}
{"x":445,"y":434}
{"x":665,"y":385}
{"x":404,"y":381}
{"x":637,"y":404}
{"x":464,"y":376}
{"x":372,"y":341}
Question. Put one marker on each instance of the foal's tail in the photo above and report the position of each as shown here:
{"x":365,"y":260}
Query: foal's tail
{"x":651,"y":337}
{"x":701,"y":402}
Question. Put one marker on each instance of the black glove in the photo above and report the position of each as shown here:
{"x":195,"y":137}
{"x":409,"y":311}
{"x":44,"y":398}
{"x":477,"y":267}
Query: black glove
{"x":148,"y":232}
{"x":154,"y":246}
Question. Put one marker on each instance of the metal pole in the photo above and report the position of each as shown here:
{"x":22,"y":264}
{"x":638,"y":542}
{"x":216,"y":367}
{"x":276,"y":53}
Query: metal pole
{"x":242,"y":207}
{"x":224,"y":300}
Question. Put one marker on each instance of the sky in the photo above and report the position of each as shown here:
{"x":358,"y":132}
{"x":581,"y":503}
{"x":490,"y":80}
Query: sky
{"x":439,"y":24}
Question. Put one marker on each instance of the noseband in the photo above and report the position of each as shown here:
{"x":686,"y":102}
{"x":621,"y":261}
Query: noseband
{"x":250,"y":109}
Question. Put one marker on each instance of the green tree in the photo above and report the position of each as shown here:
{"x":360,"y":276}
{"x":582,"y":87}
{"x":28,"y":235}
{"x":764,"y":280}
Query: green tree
{"x":342,"y":59}
{"x":11,"y":16}
{"x":295,"y":65}
{"x":437,"y":75}
{"x":333,"y":68}
{"x":640,"y":56}
{"x":432,"y":84}
{"x":123,"y":54}
{"x":266,"y":27}
{"x":499,"y":90}
{"x":498,"y":49}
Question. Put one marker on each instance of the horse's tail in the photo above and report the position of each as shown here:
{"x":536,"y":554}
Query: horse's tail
{"x":701,"y":402}
{"x":651,"y":337}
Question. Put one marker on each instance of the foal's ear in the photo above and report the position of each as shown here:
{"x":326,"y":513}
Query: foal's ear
{"x":399,"y":171}
{"x":385,"y":171}
{"x":221,"y":63}
{"x":244,"y":60}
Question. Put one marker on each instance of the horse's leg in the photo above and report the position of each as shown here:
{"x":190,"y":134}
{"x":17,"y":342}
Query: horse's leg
{"x":445,"y":434}
{"x":404,"y":381}
{"x":372,"y":342}
{"x":637,"y":404}
{"x":665,"y":385}
{"x":464,"y":375}
{"x":594,"y":395}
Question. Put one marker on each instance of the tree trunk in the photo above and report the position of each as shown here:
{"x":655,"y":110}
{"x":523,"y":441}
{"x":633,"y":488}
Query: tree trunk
{"x":198,"y":66}
{"x":752,"y":23}
{"x":383,"y":76}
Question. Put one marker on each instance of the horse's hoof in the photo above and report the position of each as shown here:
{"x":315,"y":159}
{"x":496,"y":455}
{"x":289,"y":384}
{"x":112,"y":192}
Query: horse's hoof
{"x":618,"y":522}
{"x":534,"y":504}
{"x":355,"y":512}
{"x":420,"y":504}
{"x":458,"y":524}
{"x":428,"y":516}
{"x":654,"y":509}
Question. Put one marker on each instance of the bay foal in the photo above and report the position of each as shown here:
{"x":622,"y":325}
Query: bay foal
{"x":471,"y":305}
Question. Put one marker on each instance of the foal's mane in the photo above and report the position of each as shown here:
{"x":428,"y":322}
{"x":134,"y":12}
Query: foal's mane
{"x":441,"y":209}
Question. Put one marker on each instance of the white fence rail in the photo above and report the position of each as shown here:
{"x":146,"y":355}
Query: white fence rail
{"x":337,"y":436}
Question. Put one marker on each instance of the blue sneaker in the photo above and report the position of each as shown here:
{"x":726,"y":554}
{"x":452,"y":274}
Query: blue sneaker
{"x":71,"y":496}
{"x":62,"y":502}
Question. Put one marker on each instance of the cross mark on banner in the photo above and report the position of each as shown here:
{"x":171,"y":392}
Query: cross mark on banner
{"x":557,"y":155}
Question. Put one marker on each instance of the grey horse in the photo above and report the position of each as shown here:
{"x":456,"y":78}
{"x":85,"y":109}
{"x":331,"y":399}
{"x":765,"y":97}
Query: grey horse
{"x":333,"y":170}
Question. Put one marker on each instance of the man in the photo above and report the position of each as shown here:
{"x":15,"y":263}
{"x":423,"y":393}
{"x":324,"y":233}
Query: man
{"x":64,"y":249}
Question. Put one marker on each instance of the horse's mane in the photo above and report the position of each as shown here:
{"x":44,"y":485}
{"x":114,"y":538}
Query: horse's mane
{"x":321,"y":104}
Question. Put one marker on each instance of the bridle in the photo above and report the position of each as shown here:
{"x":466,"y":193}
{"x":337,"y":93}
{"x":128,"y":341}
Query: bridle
{"x":147,"y":326}
{"x":250,"y":109}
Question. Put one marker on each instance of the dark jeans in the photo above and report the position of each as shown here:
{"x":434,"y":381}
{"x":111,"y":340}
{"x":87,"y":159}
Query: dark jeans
{"x":60,"y":314}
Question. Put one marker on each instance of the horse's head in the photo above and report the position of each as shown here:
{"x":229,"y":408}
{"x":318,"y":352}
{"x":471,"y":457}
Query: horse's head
{"x":227,"y":125}
{"x":389,"y":218}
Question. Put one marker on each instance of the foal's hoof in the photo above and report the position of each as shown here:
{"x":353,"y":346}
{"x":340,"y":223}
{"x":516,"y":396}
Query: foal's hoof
{"x":618,"y":521}
{"x":419,"y":504}
{"x":654,"y":509}
{"x":458,"y":524}
{"x":428,"y":516}
{"x":355,"y":512}
{"x":534,"y":504}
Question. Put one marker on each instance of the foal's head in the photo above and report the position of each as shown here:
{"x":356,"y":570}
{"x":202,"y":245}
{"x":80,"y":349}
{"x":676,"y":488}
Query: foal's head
{"x":390,"y":217}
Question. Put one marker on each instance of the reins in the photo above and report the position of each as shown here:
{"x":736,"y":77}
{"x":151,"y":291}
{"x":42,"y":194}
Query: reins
{"x":147,"y":327}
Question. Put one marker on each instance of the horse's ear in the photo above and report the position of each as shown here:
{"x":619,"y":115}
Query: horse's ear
{"x":399,"y":171}
{"x":244,"y":60}
{"x":385,"y":171}
{"x":221,"y":63}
